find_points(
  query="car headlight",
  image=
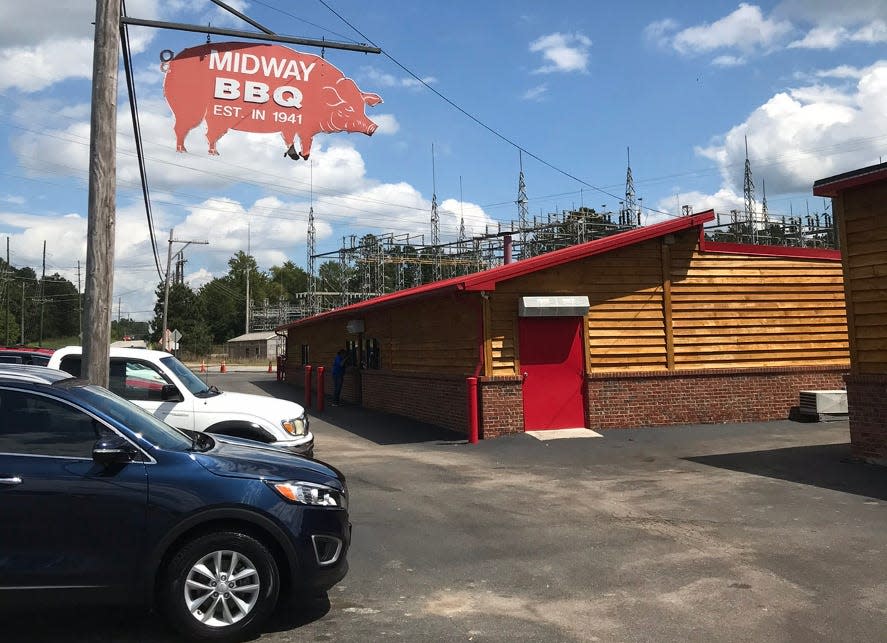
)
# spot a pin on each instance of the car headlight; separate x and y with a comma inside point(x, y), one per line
point(308, 493)
point(297, 426)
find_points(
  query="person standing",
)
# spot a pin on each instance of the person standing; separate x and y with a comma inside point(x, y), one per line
point(338, 375)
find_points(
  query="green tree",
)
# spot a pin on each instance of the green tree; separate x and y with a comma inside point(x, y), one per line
point(287, 281)
point(59, 308)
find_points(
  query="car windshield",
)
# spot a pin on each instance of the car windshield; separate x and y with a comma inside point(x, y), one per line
point(187, 377)
point(135, 418)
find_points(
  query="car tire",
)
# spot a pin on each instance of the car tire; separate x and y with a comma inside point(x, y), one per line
point(206, 564)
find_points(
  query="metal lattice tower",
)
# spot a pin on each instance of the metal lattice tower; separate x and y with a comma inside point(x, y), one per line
point(313, 307)
point(631, 202)
point(522, 214)
point(765, 215)
point(435, 225)
point(748, 189)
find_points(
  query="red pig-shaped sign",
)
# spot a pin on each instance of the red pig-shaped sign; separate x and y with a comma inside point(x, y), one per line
point(262, 88)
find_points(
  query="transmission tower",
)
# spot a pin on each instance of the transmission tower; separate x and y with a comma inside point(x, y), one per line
point(435, 224)
point(312, 274)
point(765, 214)
point(522, 214)
point(631, 202)
point(748, 189)
point(311, 243)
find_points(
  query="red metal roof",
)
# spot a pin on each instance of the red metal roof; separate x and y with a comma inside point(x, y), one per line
point(487, 280)
point(834, 185)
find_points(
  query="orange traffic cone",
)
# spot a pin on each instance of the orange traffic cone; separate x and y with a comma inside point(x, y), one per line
point(203, 366)
point(223, 368)
point(269, 366)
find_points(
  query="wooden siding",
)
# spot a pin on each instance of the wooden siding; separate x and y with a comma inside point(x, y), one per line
point(323, 341)
point(625, 322)
point(716, 310)
point(436, 335)
point(864, 239)
point(734, 311)
point(439, 335)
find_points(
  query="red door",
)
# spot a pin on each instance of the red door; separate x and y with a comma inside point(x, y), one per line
point(552, 362)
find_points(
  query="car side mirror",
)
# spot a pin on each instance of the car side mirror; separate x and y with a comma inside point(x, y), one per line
point(169, 393)
point(113, 450)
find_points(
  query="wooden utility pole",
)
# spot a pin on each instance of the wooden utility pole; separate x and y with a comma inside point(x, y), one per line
point(102, 193)
point(164, 345)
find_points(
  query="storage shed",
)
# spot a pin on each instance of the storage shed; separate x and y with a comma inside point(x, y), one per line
point(653, 326)
point(252, 346)
point(859, 204)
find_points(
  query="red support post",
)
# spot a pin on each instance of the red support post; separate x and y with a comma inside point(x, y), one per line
point(307, 386)
point(320, 389)
point(472, 411)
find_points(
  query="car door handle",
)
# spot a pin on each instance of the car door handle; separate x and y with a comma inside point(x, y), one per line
point(10, 480)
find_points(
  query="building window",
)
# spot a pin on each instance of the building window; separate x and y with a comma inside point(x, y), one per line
point(352, 348)
point(305, 355)
point(373, 359)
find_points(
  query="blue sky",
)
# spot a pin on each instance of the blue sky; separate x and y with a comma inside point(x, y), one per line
point(572, 82)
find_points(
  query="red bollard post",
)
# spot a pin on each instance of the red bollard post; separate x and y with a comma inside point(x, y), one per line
point(320, 387)
point(472, 411)
point(307, 386)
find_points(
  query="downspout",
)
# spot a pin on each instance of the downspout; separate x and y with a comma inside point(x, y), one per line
point(471, 382)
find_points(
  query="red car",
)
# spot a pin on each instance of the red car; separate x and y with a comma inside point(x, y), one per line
point(25, 355)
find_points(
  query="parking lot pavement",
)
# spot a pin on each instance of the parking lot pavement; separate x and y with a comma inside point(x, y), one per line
point(735, 532)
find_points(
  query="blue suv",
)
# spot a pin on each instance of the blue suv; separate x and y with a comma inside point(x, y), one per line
point(100, 499)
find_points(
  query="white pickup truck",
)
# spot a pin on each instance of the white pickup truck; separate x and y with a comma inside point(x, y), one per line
point(161, 384)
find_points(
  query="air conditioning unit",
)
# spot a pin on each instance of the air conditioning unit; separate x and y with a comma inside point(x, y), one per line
point(355, 326)
point(829, 403)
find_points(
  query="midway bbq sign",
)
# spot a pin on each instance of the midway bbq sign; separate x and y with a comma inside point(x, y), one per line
point(262, 88)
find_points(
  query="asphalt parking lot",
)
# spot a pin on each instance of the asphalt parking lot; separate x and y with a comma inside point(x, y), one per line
point(735, 533)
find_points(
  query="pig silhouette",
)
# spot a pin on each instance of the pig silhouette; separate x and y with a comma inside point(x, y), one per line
point(265, 89)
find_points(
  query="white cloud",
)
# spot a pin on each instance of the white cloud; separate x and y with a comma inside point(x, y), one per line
point(536, 93)
point(31, 69)
point(45, 42)
point(722, 201)
point(745, 29)
point(807, 133)
point(842, 71)
point(821, 38)
point(565, 52)
point(872, 33)
point(387, 123)
point(661, 32)
point(728, 61)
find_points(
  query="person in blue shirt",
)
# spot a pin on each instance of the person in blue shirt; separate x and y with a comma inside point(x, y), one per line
point(338, 374)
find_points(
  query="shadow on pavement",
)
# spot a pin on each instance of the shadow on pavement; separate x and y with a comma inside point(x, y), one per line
point(127, 624)
point(375, 426)
point(829, 466)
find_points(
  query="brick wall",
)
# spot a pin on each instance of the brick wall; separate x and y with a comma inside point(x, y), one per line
point(295, 375)
point(620, 400)
point(500, 406)
point(441, 400)
point(867, 404)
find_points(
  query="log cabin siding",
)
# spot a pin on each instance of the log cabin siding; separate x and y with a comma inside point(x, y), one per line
point(625, 327)
point(712, 310)
point(734, 310)
point(440, 335)
point(864, 239)
point(437, 334)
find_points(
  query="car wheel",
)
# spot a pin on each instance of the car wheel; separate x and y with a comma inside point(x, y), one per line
point(220, 586)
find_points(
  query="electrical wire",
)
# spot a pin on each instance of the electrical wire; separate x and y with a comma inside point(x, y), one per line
point(137, 132)
point(477, 120)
